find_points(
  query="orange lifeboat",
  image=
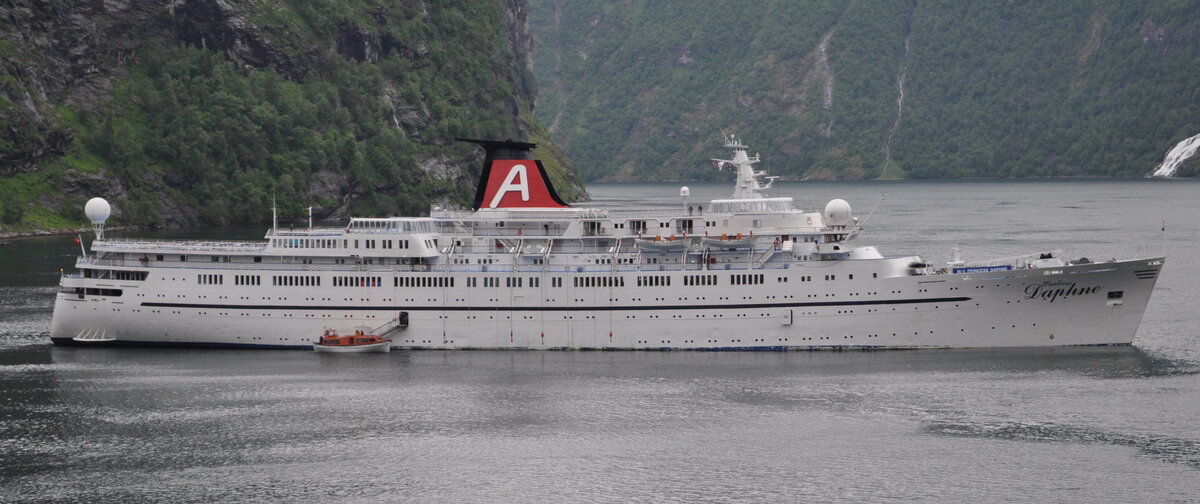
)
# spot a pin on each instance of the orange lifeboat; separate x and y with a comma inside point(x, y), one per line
point(332, 342)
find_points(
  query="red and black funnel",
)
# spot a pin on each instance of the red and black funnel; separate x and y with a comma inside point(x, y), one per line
point(511, 178)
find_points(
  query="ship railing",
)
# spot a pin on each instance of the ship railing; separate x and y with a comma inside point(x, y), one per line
point(545, 267)
point(150, 263)
point(521, 215)
point(534, 234)
point(658, 212)
point(183, 245)
point(317, 231)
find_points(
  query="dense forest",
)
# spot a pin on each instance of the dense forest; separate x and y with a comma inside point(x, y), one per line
point(854, 89)
point(201, 112)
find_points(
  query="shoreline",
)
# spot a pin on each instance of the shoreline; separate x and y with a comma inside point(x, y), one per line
point(8, 236)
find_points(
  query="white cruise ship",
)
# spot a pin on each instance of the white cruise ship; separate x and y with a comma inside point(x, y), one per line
point(523, 270)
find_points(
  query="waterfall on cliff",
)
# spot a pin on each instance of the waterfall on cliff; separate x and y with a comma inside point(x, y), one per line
point(1176, 156)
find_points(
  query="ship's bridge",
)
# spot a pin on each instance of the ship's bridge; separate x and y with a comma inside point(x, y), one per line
point(398, 237)
point(752, 206)
point(391, 225)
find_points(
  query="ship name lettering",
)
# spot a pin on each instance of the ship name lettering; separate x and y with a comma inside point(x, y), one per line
point(1051, 291)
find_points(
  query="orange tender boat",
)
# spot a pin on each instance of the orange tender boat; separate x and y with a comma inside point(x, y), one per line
point(358, 342)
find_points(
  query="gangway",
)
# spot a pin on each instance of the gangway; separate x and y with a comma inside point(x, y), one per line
point(391, 326)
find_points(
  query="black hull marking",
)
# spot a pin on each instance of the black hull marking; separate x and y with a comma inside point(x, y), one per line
point(563, 308)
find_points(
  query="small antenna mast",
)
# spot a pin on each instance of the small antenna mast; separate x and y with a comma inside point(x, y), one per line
point(872, 212)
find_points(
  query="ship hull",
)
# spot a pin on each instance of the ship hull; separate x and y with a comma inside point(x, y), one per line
point(1089, 304)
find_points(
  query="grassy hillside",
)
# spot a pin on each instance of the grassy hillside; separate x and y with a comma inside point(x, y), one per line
point(640, 90)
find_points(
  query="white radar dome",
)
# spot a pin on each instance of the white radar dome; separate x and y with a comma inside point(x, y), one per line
point(685, 192)
point(97, 210)
point(837, 212)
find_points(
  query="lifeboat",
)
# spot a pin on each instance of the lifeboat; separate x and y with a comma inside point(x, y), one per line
point(332, 342)
point(664, 243)
point(726, 241)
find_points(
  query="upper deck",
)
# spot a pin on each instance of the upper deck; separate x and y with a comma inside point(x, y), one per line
point(748, 220)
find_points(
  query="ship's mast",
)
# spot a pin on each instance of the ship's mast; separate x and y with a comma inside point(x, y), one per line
point(747, 185)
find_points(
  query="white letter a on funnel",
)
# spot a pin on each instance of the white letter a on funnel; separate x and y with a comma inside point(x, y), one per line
point(510, 185)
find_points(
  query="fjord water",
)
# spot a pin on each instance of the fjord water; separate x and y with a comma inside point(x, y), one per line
point(1064, 425)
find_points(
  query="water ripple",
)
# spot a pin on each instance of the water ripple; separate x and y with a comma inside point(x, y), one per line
point(1162, 448)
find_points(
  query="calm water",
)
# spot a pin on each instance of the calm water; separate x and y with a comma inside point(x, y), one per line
point(1074, 425)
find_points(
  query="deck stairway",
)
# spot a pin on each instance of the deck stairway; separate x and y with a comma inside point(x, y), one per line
point(396, 324)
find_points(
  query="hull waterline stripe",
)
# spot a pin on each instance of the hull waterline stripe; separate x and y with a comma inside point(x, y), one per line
point(732, 306)
point(764, 348)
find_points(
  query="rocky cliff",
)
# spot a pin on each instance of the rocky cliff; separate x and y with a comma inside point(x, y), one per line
point(854, 89)
point(192, 112)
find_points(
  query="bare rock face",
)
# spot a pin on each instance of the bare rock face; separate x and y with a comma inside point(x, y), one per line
point(55, 49)
point(439, 167)
point(329, 188)
point(516, 16)
point(218, 25)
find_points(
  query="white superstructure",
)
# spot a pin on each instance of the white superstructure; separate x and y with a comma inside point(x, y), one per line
point(525, 271)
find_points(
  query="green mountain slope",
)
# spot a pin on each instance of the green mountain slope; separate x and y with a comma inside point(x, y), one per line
point(200, 112)
point(855, 89)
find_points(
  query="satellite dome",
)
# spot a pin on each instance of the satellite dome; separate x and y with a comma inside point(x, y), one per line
point(97, 210)
point(837, 212)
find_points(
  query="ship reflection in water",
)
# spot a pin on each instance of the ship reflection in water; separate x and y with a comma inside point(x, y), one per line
point(183, 425)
